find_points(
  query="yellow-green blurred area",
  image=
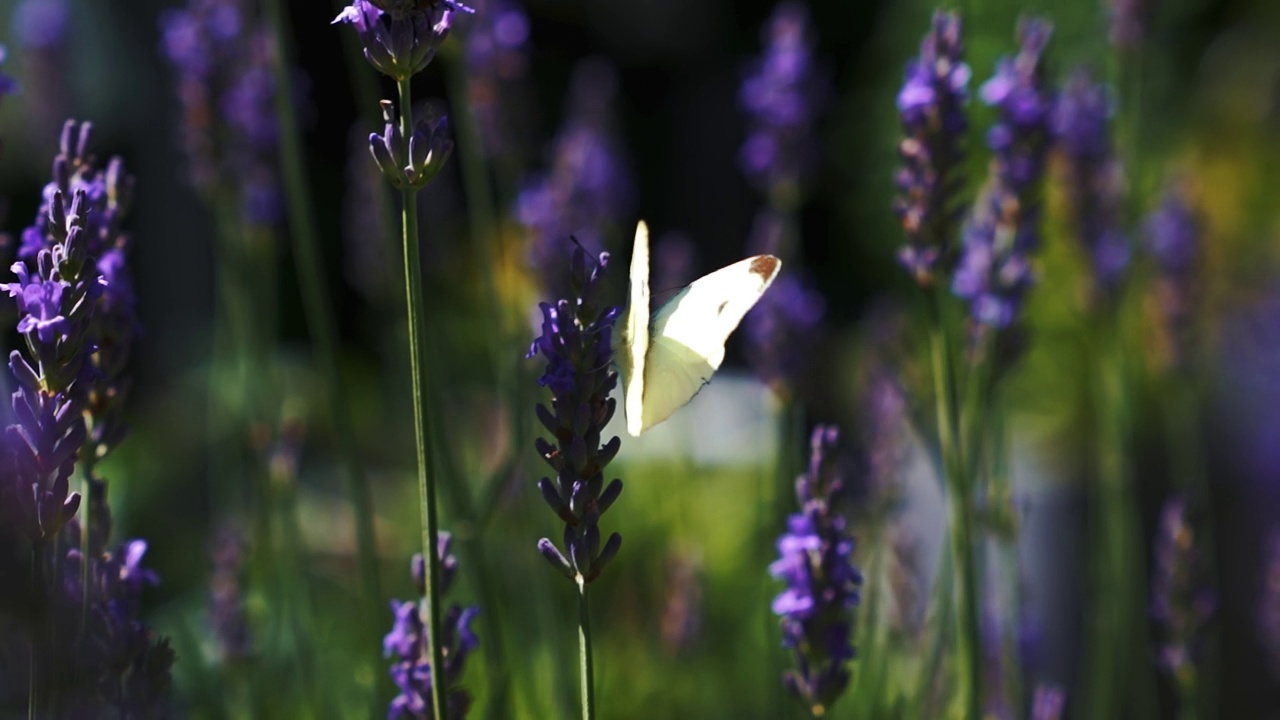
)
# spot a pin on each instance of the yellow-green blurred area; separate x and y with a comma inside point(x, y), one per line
point(681, 619)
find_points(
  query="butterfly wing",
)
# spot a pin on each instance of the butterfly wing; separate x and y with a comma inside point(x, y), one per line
point(686, 341)
point(633, 343)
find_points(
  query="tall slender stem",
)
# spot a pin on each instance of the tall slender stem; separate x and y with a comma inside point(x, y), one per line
point(958, 511)
point(586, 670)
point(417, 364)
point(321, 322)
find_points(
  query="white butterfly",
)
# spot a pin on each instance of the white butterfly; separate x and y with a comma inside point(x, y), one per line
point(664, 363)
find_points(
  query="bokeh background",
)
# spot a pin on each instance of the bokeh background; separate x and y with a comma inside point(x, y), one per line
point(683, 622)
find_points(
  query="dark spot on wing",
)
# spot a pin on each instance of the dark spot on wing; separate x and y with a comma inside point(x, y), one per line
point(765, 266)
point(723, 305)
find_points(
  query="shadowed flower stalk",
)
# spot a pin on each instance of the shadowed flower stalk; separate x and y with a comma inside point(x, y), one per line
point(1002, 230)
point(815, 559)
point(400, 37)
point(406, 643)
point(781, 95)
point(498, 61)
point(73, 644)
point(1094, 180)
point(587, 188)
point(577, 342)
point(1182, 604)
point(932, 104)
point(1172, 236)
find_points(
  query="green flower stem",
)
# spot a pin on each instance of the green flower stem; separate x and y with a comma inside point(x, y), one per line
point(959, 501)
point(320, 316)
point(422, 430)
point(586, 671)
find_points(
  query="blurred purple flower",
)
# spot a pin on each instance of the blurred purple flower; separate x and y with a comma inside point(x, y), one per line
point(8, 85)
point(401, 37)
point(587, 189)
point(994, 271)
point(781, 95)
point(1095, 181)
point(1049, 703)
point(932, 105)
point(815, 559)
point(221, 56)
point(407, 644)
point(1173, 235)
point(782, 330)
point(1129, 20)
point(228, 617)
point(577, 342)
point(1182, 603)
point(498, 54)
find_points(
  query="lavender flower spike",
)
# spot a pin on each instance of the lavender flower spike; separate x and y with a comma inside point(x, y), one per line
point(780, 96)
point(407, 642)
point(401, 37)
point(1181, 603)
point(815, 559)
point(1094, 178)
point(1269, 603)
point(1173, 238)
point(994, 271)
point(932, 107)
point(577, 342)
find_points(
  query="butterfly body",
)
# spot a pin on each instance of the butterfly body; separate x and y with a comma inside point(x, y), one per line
point(666, 360)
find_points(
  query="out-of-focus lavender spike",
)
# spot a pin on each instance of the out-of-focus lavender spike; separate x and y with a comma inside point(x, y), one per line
point(1094, 179)
point(407, 645)
point(815, 560)
point(1173, 238)
point(1049, 703)
point(1002, 230)
point(576, 341)
point(781, 95)
point(682, 610)
point(221, 58)
point(498, 60)
point(228, 618)
point(675, 261)
point(39, 28)
point(932, 104)
point(8, 85)
point(1182, 603)
point(587, 189)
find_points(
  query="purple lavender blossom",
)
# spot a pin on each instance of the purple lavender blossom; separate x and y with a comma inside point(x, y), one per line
point(498, 57)
point(1182, 603)
point(1269, 603)
point(72, 291)
point(407, 643)
point(228, 617)
point(815, 559)
point(401, 37)
point(781, 96)
point(932, 107)
point(1049, 703)
point(221, 56)
point(587, 188)
point(577, 342)
point(1129, 20)
point(782, 330)
point(994, 271)
point(1094, 178)
point(1172, 236)
point(8, 85)
point(411, 162)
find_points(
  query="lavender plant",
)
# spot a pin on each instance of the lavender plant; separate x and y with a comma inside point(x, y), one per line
point(1094, 181)
point(73, 641)
point(815, 559)
point(1268, 618)
point(400, 37)
point(1002, 230)
point(587, 187)
point(1182, 604)
point(577, 343)
point(932, 104)
point(412, 668)
point(1172, 235)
